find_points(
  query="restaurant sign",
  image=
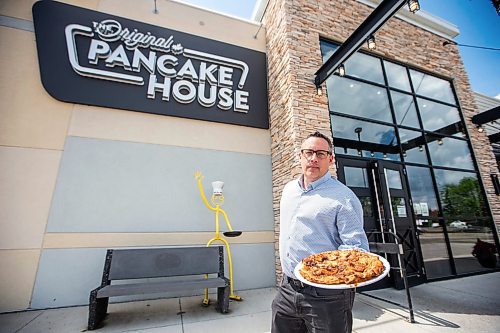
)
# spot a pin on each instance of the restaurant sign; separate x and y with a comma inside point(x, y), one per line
point(93, 58)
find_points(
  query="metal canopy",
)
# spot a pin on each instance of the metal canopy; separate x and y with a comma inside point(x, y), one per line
point(368, 27)
point(405, 146)
point(488, 118)
point(494, 138)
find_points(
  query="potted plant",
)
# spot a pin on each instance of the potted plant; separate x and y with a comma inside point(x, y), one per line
point(485, 253)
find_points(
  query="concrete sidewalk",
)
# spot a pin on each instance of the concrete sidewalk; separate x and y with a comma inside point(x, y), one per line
point(470, 304)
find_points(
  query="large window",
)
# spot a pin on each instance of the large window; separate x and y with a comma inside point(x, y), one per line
point(358, 99)
point(359, 137)
point(436, 116)
point(449, 152)
point(412, 144)
point(397, 76)
point(433, 87)
point(365, 67)
point(466, 218)
point(384, 110)
point(404, 107)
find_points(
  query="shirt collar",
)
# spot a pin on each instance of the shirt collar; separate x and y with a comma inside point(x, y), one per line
point(315, 184)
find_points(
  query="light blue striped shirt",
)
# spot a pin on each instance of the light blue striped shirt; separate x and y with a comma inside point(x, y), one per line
point(324, 217)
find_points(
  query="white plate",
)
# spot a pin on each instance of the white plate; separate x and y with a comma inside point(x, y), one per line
point(387, 267)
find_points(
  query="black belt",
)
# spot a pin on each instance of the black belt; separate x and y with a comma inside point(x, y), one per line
point(299, 285)
point(295, 282)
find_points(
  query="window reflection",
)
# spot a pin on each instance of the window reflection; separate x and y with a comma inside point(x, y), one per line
point(456, 129)
point(358, 99)
point(356, 177)
point(450, 152)
point(354, 137)
point(366, 153)
point(460, 194)
point(434, 251)
point(346, 151)
point(365, 67)
point(404, 107)
point(397, 76)
point(472, 244)
point(436, 116)
point(393, 179)
point(327, 50)
point(398, 205)
point(424, 199)
point(464, 217)
point(433, 87)
point(366, 203)
point(412, 143)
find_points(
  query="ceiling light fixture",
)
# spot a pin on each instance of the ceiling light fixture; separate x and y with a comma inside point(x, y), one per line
point(371, 42)
point(413, 5)
point(342, 70)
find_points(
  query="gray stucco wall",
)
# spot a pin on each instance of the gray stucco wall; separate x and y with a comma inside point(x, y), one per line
point(116, 186)
point(127, 187)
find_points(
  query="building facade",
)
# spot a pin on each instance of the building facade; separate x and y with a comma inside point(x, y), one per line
point(81, 172)
point(400, 119)
point(79, 178)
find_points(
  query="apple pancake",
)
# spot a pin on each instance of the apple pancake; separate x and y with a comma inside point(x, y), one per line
point(341, 267)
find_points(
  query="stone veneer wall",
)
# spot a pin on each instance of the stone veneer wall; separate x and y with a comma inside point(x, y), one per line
point(293, 30)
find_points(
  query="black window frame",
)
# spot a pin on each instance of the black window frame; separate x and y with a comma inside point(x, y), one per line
point(425, 133)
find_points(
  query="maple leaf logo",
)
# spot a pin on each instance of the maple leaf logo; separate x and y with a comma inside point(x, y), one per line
point(177, 48)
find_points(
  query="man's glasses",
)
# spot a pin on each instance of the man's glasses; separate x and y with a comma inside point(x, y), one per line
point(320, 154)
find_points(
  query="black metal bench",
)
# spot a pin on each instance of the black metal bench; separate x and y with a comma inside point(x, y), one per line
point(133, 264)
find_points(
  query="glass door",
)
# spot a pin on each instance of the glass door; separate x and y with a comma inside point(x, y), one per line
point(358, 176)
point(381, 188)
point(398, 217)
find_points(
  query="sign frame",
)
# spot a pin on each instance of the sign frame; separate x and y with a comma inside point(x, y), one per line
point(93, 58)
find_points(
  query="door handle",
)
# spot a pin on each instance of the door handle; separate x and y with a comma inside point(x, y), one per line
point(381, 219)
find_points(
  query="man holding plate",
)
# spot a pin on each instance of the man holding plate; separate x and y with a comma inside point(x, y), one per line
point(317, 214)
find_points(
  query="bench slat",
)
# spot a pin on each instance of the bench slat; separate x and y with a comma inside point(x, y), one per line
point(158, 287)
point(131, 264)
point(159, 262)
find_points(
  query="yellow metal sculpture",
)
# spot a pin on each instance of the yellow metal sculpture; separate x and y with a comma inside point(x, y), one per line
point(217, 200)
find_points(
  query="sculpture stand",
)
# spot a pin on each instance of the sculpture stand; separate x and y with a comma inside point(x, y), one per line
point(217, 199)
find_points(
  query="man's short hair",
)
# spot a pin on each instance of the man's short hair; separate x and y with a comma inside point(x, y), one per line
point(322, 136)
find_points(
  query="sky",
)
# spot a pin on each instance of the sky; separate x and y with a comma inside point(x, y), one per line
point(477, 21)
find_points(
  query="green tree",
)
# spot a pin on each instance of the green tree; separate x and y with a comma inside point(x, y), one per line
point(463, 199)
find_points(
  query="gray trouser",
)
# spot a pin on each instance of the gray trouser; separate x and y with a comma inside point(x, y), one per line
point(302, 308)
